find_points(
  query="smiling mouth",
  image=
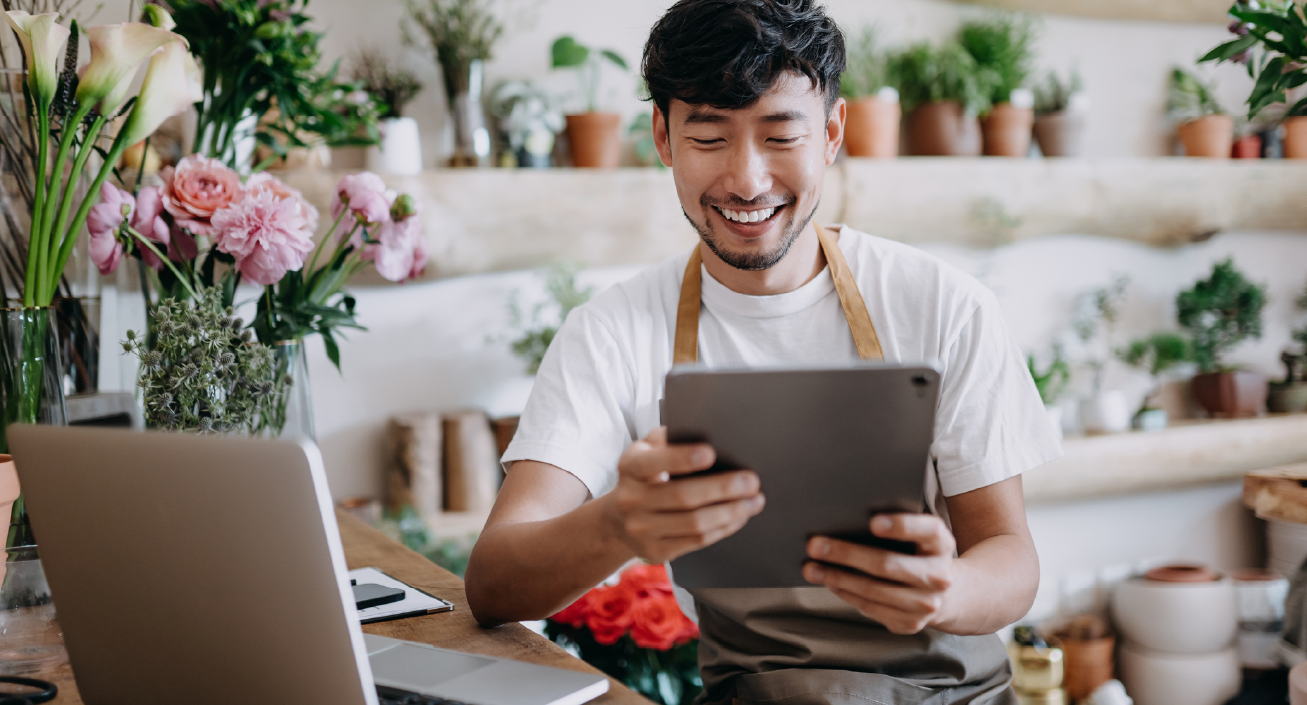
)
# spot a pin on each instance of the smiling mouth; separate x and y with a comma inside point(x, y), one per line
point(749, 217)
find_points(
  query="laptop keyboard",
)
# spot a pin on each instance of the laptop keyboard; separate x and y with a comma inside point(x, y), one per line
point(394, 696)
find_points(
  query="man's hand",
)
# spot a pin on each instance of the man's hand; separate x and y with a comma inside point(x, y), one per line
point(905, 593)
point(661, 517)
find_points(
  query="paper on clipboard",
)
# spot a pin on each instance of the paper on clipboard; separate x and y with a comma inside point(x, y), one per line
point(415, 602)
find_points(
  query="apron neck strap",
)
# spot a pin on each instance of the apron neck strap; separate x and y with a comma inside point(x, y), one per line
point(685, 349)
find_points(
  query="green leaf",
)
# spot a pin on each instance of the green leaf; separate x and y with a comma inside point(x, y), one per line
point(333, 350)
point(567, 53)
point(1230, 49)
point(615, 58)
point(1299, 108)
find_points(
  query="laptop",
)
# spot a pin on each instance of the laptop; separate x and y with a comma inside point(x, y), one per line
point(209, 569)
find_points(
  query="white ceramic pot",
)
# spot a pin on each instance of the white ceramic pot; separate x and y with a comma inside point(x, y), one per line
point(1155, 678)
point(400, 151)
point(1106, 412)
point(1286, 546)
point(1176, 618)
point(1055, 418)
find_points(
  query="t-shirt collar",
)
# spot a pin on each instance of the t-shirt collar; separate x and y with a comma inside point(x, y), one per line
point(717, 297)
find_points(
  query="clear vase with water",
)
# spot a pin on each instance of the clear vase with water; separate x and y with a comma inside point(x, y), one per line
point(291, 410)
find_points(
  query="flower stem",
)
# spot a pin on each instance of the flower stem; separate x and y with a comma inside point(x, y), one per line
point(79, 163)
point(36, 249)
point(327, 237)
point(70, 126)
point(162, 258)
point(115, 153)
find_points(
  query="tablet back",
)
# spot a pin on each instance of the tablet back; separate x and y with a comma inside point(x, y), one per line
point(832, 446)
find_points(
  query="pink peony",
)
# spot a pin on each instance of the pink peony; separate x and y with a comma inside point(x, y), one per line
point(267, 181)
point(400, 252)
point(267, 236)
point(197, 189)
point(103, 222)
point(147, 220)
point(364, 194)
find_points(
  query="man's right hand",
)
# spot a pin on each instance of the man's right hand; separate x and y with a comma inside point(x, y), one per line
point(661, 514)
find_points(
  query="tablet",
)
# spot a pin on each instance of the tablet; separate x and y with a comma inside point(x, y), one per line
point(832, 446)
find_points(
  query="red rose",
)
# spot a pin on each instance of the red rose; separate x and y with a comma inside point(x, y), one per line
point(658, 623)
point(610, 613)
point(689, 631)
point(574, 614)
point(647, 580)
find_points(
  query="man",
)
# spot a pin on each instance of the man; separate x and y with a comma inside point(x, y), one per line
point(748, 116)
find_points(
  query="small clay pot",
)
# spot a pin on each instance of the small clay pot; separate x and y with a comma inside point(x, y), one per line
point(1210, 136)
point(1231, 394)
point(1295, 138)
point(1007, 131)
point(1247, 147)
point(1287, 398)
point(1182, 574)
point(1061, 134)
point(595, 139)
point(943, 129)
point(871, 128)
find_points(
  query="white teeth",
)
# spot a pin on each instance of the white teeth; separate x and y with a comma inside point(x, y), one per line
point(748, 216)
point(753, 216)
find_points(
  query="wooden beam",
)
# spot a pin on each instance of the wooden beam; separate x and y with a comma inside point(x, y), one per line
point(1199, 11)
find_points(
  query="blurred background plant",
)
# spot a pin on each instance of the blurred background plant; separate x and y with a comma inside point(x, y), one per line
point(1095, 323)
point(1003, 45)
point(389, 85)
point(1157, 354)
point(408, 528)
point(1052, 381)
point(533, 341)
point(870, 67)
point(528, 122)
point(929, 74)
point(568, 54)
point(1220, 312)
point(1054, 94)
point(1190, 97)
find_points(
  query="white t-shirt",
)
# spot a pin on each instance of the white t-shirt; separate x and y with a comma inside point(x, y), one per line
point(602, 378)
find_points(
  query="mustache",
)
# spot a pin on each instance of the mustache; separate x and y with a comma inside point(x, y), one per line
point(764, 201)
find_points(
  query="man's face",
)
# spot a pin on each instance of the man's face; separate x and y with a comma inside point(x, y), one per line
point(749, 180)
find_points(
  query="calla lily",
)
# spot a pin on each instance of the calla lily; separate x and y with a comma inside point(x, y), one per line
point(43, 45)
point(159, 17)
point(116, 51)
point(172, 84)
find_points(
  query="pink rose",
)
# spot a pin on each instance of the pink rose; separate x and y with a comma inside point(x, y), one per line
point(196, 189)
point(267, 236)
point(365, 195)
point(400, 251)
point(147, 220)
point(103, 222)
point(267, 181)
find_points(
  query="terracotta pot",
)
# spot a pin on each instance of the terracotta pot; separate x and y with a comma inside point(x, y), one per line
point(1007, 131)
point(1295, 138)
point(1061, 134)
point(943, 129)
point(1231, 394)
point(1247, 147)
point(1088, 650)
point(595, 139)
point(871, 128)
point(8, 486)
point(1210, 136)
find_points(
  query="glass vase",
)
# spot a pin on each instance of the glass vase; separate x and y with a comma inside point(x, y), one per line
point(291, 411)
point(30, 637)
point(463, 84)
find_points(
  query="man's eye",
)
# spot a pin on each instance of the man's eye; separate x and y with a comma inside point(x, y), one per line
point(696, 140)
point(784, 140)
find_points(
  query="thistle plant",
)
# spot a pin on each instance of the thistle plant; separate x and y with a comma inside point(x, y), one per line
point(203, 372)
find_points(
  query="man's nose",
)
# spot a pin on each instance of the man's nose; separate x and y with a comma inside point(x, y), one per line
point(747, 174)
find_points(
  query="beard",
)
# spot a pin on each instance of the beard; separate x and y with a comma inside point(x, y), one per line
point(756, 261)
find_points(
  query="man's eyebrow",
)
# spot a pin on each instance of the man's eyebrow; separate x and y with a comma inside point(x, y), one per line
point(785, 116)
point(701, 117)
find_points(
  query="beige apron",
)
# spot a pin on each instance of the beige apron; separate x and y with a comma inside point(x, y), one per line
point(805, 646)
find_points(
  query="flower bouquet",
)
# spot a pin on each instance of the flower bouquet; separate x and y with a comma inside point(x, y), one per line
point(635, 632)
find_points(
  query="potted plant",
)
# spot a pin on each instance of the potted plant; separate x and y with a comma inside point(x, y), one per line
point(1060, 108)
point(1003, 46)
point(594, 137)
point(942, 91)
point(1220, 312)
point(1203, 126)
point(1271, 40)
point(1291, 394)
point(400, 151)
point(1051, 382)
point(462, 33)
point(1104, 410)
point(528, 124)
point(870, 85)
point(1156, 354)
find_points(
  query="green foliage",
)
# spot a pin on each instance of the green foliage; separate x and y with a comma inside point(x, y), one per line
point(531, 345)
point(1220, 312)
point(295, 308)
point(391, 86)
point(1002, 44)
point(568, 54)
point(411, 530)
point(459, 32)
point(1099, 311)
point(259, 58)
point(642, 137)
point(1157, 353)
point(1300, 334)
point(203, 373)
point(1191, 97)
point(930, 74)
point(869, 68)
point(1053, 380)
point(667, 677)
point(1054, 94)
point(1271, 40)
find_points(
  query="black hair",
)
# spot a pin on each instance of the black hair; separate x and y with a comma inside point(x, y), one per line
point(727, 53)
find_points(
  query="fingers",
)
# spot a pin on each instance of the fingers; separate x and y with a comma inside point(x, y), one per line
point(662, 536)
point(896, 621)
point(933, 572)
point(905, 599)
point(927, 531)
point(654, 460)
point(694, 492)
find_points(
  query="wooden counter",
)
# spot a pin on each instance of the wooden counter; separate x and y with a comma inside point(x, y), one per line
point(364, 547)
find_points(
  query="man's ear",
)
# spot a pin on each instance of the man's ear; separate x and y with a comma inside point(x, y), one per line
point(835, 130)
point(662, 140)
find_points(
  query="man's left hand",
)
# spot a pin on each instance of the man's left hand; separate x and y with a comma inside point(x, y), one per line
point(906, 593)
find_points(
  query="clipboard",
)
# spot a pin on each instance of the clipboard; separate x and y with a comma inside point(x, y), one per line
point(416, 602)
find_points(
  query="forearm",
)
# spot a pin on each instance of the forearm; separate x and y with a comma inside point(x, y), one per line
point(531, 569)
point(994, 585)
